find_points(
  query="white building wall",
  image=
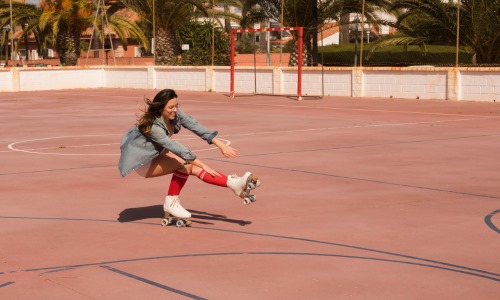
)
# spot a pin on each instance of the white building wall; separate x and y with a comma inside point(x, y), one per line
point(333, 39)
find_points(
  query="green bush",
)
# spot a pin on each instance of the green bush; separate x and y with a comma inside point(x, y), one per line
point(343, 55)
point(245, 44)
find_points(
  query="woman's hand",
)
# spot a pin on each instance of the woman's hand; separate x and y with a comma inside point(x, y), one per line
point(226, 150)
point(205, 167)
point(211, 171)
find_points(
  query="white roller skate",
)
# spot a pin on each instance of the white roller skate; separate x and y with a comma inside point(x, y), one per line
point(242, 186)
point(175, 212)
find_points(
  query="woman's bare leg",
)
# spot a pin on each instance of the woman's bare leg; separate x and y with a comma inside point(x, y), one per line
point(166, 163)
point(169, 163)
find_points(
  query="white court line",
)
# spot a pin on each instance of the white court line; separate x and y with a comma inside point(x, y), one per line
point(300, 106)
point(349, 127)
point(348, 109)
point(12, 148)
point(228, 142)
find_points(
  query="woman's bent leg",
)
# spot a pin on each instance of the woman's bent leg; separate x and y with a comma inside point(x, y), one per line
point(168, 163)
point(164, 164)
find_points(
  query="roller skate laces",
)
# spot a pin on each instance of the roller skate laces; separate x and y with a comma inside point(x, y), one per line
point(173, 207)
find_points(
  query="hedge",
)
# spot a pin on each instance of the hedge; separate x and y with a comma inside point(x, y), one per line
point(343, 55)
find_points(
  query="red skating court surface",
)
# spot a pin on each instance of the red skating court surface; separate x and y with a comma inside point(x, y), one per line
point(360, 199)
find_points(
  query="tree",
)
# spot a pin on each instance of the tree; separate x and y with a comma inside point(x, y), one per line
point(170, 16)
point(422, 22)
point(27, 16)
point(300, 13)
point(199, 38)
point(60, 23)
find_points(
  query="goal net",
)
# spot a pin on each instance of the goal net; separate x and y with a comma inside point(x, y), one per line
point(244, 80)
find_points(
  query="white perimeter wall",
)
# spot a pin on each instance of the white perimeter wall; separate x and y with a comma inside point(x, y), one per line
point(30, 79)
point(478, 85)
point(406, 84)
point(474, 84)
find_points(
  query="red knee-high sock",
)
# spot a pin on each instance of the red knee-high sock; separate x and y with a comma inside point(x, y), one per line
point(217, 180)
point(178, 181)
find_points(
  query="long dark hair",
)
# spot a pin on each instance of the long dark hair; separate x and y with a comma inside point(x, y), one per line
point(154, 109)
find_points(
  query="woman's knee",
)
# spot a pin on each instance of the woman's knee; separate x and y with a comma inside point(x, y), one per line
point(195, 170)
point(186, 169)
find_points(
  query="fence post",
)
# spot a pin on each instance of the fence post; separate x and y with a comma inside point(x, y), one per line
point(16, 79)
point(357, 89)
point(453, 90)
point(277, 81)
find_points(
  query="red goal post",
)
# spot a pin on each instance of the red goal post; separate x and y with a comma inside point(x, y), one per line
point(299, 71)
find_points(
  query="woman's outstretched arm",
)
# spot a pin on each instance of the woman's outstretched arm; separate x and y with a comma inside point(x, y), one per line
point(226, 150)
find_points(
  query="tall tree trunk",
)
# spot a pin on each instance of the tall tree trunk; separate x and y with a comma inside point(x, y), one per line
point(294, 54)
point(344, 29)
point(68, 47)
point(166, 47)
point(227, 21)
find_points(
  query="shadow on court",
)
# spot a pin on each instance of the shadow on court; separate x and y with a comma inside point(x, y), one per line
point(156, 212)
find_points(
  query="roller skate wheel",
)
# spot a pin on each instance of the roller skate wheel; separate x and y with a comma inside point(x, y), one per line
point(246, 201)
point(252, 198)
point(165, 222)
point(250, 185)
point(255, 181)
point(188, 223)
point(180, 223)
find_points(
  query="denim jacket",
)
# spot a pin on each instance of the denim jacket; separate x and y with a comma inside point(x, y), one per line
point(137, 149)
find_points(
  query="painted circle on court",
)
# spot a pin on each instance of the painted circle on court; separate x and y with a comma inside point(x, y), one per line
point(95, 145)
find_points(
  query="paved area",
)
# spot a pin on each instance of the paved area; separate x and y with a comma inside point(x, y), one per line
point(361, 199)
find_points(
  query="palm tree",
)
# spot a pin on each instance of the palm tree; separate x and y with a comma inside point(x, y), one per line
point(198, 36)
point(68, 19)
point(60, 23)
point(300, 13)
point(169, 17)
point(422, 22)
point(27, 16)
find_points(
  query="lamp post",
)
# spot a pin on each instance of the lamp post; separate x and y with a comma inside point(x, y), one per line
point(25, 26)
point(7, 29)
point(315, 33)
point(213, 33)
point(11, 35)
point(153, 44)
point(355, 28)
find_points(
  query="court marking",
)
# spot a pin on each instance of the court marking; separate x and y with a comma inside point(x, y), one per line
point(357, 178)
point(297, 105)
point(150, 282)
point(6, 284)
point(310, 254)
point(373, 145)
point(12, 147)
point(488, 221)
point(306, 240)
point(345, 109)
